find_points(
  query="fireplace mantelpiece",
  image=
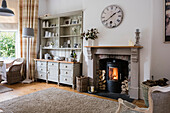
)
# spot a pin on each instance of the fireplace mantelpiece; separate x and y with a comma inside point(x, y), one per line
point(132, 51)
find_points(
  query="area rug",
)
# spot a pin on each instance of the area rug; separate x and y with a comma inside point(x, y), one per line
point(53, 100)
point(115, 96)
point(4, 89)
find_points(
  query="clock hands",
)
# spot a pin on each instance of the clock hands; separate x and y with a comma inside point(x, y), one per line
point(111, 16)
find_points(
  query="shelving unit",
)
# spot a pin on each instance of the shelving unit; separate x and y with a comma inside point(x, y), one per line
point(63, 28)
point(55, 34)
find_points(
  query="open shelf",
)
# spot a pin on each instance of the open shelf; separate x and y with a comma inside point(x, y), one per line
point(50, 27)
point(71, 36)
point(61, 48)
point(50, 37)
point(70, 25)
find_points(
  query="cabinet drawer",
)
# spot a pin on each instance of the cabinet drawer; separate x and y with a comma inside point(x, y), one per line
point(66, 66)
point(41, 64)
point(42, 69)
point(66, 80)
point(41, 75)
point(52, 65)
point(68, 73)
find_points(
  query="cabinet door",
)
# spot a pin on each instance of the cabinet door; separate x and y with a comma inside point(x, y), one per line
point(53, 71)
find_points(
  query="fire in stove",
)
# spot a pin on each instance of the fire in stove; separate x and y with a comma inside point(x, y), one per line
point(113, 73)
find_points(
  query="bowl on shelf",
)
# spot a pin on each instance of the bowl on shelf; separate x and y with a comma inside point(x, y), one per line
point(59, 58)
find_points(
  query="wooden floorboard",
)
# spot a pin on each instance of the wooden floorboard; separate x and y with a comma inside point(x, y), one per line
point(20, 89)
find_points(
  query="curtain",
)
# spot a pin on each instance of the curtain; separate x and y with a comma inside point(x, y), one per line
point(28, 17)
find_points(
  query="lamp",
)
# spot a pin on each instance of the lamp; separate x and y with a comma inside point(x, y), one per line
point(4, 11)
point(27, 33)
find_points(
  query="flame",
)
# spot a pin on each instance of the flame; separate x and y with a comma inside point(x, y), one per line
point(113, 73)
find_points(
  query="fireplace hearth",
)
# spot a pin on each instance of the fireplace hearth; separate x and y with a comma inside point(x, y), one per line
point(127, 53)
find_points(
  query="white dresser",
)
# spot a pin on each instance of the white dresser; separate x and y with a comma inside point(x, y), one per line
point(57, 71)
point(68, 73)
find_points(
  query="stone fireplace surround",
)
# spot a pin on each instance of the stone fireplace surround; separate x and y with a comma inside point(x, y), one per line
point(132, 51)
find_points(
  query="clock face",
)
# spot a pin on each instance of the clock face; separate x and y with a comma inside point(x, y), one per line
point(112, 16)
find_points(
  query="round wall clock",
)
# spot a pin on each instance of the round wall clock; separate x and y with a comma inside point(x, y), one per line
point(112, 16)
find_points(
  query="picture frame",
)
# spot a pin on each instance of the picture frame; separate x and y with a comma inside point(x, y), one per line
point(167, 21)
point(74, 21)
point(67, 21)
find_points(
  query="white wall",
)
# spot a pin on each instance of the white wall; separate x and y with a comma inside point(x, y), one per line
point(61, 6)
point(147, 15)
point(160, 51)
point(135, 16)
point(42, 7)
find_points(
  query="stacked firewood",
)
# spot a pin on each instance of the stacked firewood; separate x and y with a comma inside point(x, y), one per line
point(124, 87)
point(160, 82)
point(102, 80)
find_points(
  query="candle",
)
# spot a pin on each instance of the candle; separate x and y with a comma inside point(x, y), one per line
point(131, 43)
point(137, 30)
point(92, 88)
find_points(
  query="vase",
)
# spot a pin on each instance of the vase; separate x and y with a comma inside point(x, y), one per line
point(90, 42)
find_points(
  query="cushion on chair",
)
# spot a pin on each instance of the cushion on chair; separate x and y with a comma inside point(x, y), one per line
point(17, 63)
point(7, 70)
point(161, 102)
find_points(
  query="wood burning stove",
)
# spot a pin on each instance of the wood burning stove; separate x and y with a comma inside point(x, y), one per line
point(116, 72)
point(111, 73)
point(113, 77)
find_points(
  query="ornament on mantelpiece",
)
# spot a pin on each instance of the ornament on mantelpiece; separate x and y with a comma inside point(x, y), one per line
point(90, 36)
point(137, 37)
point(90, 42)
point(131, 43)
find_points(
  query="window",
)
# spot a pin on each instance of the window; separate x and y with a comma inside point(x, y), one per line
point(7, 44)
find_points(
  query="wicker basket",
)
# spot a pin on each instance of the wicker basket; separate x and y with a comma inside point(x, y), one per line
point(145, 90)
point(82, 84)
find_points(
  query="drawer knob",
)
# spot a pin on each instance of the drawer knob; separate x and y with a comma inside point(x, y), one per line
point(66, 66)
point(40, 75)
point(65, 79)
point(41, 63)
point(41, 69)
point(52, 64)
point(66, 73)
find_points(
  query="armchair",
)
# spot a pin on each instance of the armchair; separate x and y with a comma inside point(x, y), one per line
point(159, 98)
point(13, 71)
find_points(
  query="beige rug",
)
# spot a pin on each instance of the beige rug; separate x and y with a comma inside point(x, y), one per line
point(53, 100)
point(4, 89)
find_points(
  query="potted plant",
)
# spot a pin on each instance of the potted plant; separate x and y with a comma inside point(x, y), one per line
point(90, 35)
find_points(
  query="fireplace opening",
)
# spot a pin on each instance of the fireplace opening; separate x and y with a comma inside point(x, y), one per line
point(113, 73)
point(116, 71)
